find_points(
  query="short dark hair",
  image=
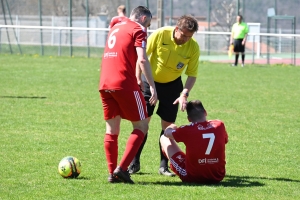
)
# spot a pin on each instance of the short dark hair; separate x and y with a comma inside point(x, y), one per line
point(122, 8)
point(188, 22)
point(195, 110)
point(240, 16)
point(140, 11)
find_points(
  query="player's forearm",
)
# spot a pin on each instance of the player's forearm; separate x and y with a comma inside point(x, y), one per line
point(169, 130)
point(138, 71)
point(245, 38)
point(190, 81)
point(145, 67)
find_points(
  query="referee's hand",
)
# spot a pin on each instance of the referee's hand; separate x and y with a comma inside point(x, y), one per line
point(182, 100)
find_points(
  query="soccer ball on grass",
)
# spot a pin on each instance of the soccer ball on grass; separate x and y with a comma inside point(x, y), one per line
point(69, 167)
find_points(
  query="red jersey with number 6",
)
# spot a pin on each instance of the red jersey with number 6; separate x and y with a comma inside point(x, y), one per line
point(205, 149)
point(119, 58)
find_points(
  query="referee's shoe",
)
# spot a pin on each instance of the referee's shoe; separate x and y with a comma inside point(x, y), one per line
point(165, 171)
point(134, 168)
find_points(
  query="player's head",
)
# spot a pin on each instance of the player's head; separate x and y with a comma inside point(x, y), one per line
point(185, 28)
point(142, 15)
point(239, 18)
point(121, 10)
point(195, 111)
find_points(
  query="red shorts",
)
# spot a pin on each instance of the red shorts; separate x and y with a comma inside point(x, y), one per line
point(177, 165)
point(129, 105)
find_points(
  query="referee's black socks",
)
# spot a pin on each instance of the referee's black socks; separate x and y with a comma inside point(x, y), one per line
point(236, 59)
point(163, 158)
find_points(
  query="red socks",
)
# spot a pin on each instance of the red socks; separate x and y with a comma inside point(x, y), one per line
point(133, 144)
point(111, 151)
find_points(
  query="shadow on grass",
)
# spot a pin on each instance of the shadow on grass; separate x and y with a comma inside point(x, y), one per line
point(142, 173)
point(23, 97)
point(265, 178)
point(78, 178)
point(229, 181)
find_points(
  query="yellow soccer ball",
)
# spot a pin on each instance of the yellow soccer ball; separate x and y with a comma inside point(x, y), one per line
point(69, 167)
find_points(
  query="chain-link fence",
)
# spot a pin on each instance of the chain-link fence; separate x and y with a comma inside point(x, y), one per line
point(213, 16)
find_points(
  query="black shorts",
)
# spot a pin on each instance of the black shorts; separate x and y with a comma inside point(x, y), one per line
point(238, 47)
point(167, 93)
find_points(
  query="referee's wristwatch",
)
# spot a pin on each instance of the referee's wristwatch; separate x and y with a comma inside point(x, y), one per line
point(186, 94)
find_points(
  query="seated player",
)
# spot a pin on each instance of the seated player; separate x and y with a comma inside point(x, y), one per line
point(204, 159)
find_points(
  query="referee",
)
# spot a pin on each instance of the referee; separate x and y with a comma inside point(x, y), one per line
point(238, 38)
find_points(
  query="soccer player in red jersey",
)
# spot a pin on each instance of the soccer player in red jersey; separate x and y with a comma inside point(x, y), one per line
point(125, 50)
point(204, 160)
point(121, 16)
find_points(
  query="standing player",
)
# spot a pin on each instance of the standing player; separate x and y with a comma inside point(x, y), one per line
point(120, 93)
point(171, 51)
point(238, 39)
point(204, 160)
point(121, 16)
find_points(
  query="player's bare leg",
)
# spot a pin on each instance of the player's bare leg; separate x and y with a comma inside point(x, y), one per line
point(169, 146)
point(163, 168)
point(134, 141)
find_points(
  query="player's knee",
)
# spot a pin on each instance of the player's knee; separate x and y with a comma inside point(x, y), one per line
point(141, 125)
point(163, 140)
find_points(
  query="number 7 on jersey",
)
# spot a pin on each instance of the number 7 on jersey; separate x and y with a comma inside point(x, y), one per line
point(211, 137)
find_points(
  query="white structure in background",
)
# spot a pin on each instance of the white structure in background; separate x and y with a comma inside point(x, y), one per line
point(254, 39)
point(56, 37)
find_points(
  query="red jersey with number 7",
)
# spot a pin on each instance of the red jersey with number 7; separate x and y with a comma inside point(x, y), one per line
point(119, 58)
point(205, 149)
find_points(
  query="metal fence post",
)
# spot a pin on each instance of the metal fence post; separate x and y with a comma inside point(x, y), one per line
point(0, 38)
point(208, 27)
point(253, 49)
point(171, 13)
point(87, 25)
point(11, 21)
point(4, 17)
point(41, 24)
point(70, 21)
point(59, 43)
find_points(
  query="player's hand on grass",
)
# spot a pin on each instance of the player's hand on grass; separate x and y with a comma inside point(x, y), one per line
point(153, 98)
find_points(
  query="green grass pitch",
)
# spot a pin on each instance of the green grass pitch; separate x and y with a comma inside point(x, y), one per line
point(50, 108)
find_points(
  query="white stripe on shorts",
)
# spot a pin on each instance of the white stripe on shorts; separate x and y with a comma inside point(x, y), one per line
point(139, 104)
point(180, 170)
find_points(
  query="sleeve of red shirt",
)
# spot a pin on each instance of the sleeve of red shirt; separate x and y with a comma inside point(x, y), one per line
point(112, 23)
point(225, 132)
point(140, 35)
point(179, 134)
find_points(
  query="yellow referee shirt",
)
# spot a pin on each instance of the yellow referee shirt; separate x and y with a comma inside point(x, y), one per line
point(239, 30)
point(168, 60)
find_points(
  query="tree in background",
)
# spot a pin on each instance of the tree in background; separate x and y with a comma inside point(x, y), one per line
point(224, 14)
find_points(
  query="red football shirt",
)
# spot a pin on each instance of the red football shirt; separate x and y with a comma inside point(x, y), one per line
point(120, 56)
point(116, 20)
point(205, 149)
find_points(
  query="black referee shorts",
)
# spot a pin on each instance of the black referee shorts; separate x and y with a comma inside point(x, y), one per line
point(238, 47)
point(167, 93)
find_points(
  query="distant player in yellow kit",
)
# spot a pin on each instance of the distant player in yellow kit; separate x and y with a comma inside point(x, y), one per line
point(239, 33)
